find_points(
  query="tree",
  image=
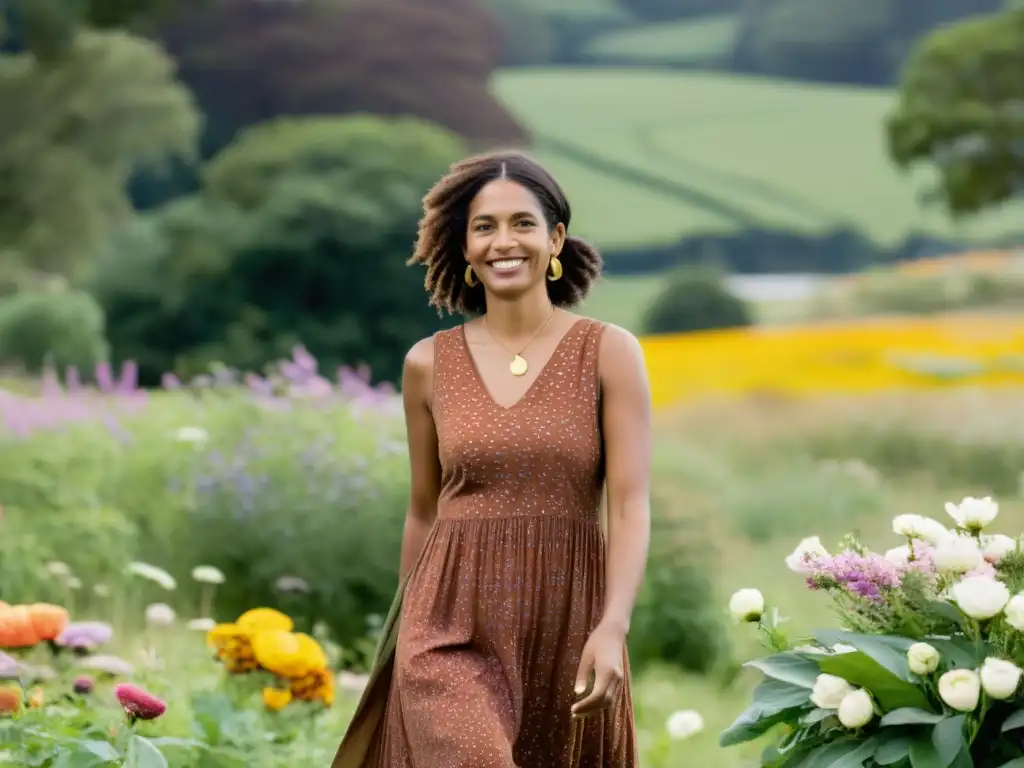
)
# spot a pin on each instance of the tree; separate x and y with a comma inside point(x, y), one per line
point(300, 235)
point(249, 62)
point(961, 108)
point(73, 132)
point(695, 298)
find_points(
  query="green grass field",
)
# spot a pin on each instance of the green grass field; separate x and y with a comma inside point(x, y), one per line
point(688, 42)
point(648, 156)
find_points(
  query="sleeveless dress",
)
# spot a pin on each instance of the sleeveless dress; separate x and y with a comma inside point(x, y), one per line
point(479, 657)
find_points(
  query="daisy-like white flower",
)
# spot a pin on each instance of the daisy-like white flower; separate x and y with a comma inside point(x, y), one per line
point(154, 574)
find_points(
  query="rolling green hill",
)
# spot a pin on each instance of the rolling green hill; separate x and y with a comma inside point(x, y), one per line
point(648, 156)
point(689, 42)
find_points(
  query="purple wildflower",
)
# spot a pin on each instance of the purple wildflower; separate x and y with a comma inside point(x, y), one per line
point(85, 635)
point(9, 667)
point(863, 575)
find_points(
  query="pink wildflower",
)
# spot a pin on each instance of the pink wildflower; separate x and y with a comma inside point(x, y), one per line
point(139, 704)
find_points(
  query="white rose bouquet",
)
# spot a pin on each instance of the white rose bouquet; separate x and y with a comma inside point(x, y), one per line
point(927, 671)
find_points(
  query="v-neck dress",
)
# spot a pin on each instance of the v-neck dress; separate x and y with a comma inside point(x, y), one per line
point(493, 618)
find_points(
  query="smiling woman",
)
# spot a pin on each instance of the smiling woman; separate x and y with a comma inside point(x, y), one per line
point(506, 646)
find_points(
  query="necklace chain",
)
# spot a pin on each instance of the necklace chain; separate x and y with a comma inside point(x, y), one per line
point(518, 365)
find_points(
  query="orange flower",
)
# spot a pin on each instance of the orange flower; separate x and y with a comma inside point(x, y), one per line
point(10, 699)
point(16, 628)
point(36, 698)
point(49, 620)
point(276, 699)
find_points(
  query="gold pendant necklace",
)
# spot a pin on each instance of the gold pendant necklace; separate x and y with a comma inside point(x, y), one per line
point(518, 365)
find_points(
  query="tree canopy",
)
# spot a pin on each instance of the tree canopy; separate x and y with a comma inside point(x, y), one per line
point(67, 149)
point(299, 236)
point(961, 110)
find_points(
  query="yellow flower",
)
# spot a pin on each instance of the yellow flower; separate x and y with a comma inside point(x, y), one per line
point(233, 646)
point(318, 685)
point(35, 698)
point(264, 620)
point(288, 654)
point(276, 699)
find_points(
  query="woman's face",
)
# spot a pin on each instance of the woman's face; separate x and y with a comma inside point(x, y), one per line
point(507, 240)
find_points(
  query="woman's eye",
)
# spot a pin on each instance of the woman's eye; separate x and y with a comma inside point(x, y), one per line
point(525, 223)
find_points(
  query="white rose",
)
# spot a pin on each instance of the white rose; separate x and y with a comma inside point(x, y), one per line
point(160, 615)
point(684, 724)
point(747, 605)
point(919, 527)
point(856, 709)
point(805, 553)
point(1000, 678)
point(957, 553)
point(973, 514)
point(922, 658)
point(1014, 611)
point(829, 691)
point(960, 689)
point(997, 546)
point(980, 597)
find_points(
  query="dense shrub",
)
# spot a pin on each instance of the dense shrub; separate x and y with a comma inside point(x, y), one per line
point(300, 234)
point(65, 328)
point(695, 299)
point(677, 617)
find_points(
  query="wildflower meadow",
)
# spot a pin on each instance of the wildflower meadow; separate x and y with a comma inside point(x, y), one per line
point(197, 575)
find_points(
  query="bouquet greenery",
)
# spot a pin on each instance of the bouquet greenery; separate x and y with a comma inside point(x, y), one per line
point(925, 672)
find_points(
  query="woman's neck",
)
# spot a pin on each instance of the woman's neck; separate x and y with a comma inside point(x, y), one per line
point(520, 317)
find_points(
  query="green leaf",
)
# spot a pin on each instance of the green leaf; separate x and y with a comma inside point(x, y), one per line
point(774, 702)
point(960, 653)
point(847, 753)
point(1014, 721)
point(788, 668)
point(923, 754)
point(893, 748)
point(888, 652)
point(891, 692)
point(948, 738)
point(142, 753)
point(816, 716)
point(1017, 762)
point(101, 749)
point(910, 716)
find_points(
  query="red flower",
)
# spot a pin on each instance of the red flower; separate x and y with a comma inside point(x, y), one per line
point(139, 704)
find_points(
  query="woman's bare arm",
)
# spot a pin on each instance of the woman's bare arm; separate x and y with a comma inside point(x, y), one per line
point(626, 425)
point(424, 463)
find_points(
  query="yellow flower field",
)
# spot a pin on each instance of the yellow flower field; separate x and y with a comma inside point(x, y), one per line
point(858, 356)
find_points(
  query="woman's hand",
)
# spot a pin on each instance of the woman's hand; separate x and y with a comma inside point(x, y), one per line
point(603, 657)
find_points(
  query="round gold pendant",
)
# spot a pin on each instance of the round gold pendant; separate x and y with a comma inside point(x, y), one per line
point(518, 366)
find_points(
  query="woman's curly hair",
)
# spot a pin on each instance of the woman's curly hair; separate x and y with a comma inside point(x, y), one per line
point(440, 244)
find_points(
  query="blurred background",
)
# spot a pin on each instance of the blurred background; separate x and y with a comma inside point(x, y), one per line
point(810, 212)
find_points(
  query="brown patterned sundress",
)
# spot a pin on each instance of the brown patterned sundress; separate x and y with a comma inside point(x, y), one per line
point(481, 650)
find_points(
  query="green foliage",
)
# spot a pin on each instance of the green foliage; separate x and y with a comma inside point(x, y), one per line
point(676, 620)
point(74, 131)
point(664, 163)
point(63, 328)
point(695, 299)
point(959, 111)
point(300, 235)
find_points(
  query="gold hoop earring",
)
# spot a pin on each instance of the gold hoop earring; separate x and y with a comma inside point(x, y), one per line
point(554, 269)
point(471, 281)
